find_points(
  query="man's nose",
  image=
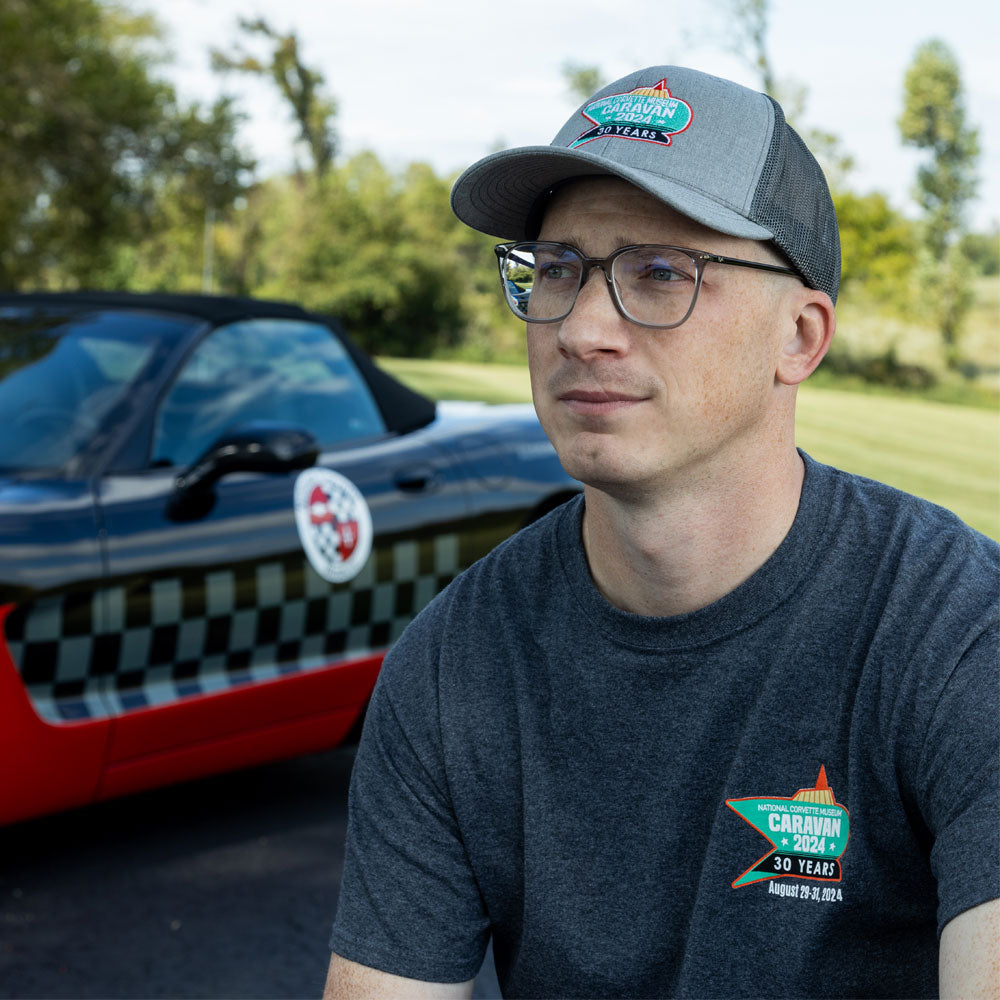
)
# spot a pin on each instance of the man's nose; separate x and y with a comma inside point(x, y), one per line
point(594, 326)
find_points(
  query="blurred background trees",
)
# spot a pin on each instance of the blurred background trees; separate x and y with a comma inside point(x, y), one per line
point(110, 180)
point(314, 112)
point(96, 152)
point(902, 278)
point(933, 119)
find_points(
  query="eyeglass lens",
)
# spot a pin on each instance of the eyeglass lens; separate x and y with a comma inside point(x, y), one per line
point(655, 285)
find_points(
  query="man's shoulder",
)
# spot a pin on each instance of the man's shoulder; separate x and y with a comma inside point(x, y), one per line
point(504, 586)
point(911, 553)
point(882, 517)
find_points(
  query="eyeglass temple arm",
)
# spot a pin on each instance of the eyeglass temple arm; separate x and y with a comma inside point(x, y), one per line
point(715, 258)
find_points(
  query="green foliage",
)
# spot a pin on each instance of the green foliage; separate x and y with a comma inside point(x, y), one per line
point(298, 84)
point(381, 251)
point(879, 369)
point(982, 251)
point(749, 24)
point(582, 80)
point(933, 119)
point(373, 248)
point(206, 180)
point(911, 271)
point(878, 246)
point(62, 81)
point(110, 182)
point(91, 142)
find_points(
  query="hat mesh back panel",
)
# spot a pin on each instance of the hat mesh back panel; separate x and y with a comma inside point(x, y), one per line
point(793, 201)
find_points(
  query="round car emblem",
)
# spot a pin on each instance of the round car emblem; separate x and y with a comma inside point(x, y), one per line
point(334, 524)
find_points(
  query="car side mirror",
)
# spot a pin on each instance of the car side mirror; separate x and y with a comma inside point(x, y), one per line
point(257, 447)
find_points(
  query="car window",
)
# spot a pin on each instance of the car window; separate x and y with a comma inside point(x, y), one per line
point(282, 371)
point(61, 374)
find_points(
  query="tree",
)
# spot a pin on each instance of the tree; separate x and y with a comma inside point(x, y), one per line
point(748, 23)
point(878, 246)
point(934, 120)
point(91, 141)
point(582, 80)
point(982, 250)
point(750, 26)
point(374, 249)
point(208, 176)
point(299, 85)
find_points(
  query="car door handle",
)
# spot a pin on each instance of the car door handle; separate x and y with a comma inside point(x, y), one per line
point(415, 479)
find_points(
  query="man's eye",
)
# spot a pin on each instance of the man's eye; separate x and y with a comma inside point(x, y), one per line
point(663, 274)
point(553, 272)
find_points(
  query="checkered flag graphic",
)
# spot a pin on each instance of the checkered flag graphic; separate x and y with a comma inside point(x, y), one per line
point(87, 654)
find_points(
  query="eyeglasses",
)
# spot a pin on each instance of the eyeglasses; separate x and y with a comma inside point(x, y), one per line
point(651, 285)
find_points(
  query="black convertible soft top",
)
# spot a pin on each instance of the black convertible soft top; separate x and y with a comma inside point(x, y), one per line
point(402, 408)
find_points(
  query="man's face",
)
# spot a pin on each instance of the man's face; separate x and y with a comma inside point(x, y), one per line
point(632, 409)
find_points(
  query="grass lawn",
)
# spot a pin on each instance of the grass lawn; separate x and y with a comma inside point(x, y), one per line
point(945, 453)
point(948, 454)
point(463, 379)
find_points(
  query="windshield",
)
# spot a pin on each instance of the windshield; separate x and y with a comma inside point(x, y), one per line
point(276, 370)
point(61, 374)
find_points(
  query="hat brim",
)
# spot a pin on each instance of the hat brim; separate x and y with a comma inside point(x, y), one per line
point(497, 194)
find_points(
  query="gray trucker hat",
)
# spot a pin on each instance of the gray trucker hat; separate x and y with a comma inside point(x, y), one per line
point(717, 152)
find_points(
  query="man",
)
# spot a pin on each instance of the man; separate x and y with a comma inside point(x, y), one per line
point(727, 725)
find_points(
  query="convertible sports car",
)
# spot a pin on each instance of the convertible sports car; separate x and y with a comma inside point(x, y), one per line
point(215, 516)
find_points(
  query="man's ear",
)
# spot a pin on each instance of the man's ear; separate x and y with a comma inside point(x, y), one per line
point(813, 322)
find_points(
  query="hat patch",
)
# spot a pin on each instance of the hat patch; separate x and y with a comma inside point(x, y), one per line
point(646, 114)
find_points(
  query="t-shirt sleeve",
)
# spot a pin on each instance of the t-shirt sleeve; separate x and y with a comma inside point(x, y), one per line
point(409, 903)
point(960, 771)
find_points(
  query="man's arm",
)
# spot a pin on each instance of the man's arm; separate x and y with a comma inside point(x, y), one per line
point(348, 980)
point(969, 958)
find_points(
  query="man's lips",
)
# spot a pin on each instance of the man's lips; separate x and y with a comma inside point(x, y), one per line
point(590, 402)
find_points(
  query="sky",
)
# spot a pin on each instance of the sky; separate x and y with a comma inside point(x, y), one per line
point(448, 81)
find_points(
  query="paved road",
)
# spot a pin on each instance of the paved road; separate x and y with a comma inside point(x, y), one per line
point(225, 887)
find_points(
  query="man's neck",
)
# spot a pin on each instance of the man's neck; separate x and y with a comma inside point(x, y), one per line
point(683, 548)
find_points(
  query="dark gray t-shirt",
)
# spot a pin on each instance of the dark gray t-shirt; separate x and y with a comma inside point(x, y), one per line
point(787, 793)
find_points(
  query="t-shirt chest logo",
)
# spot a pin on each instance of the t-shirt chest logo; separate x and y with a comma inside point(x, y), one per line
point(808, 833)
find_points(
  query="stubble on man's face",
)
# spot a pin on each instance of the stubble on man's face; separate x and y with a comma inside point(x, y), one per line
point(632, 409)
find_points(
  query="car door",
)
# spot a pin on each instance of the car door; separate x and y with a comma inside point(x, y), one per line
point(52, 744)
point(230, 640)
point(68, 375)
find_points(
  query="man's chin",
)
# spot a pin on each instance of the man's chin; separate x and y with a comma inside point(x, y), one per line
point(609, 470)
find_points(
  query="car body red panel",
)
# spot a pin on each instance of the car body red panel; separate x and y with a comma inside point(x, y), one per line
point(45, 767)
point(342, 688)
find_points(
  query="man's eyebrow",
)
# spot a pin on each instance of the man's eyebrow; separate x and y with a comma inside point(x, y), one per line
point(622, 241)
point(570, 240)
point(616, 244)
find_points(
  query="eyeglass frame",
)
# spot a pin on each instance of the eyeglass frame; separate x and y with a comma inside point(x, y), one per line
point(699, 257)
